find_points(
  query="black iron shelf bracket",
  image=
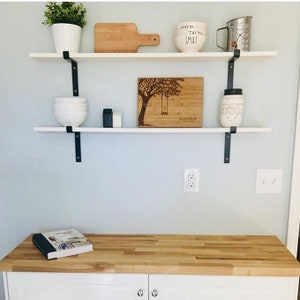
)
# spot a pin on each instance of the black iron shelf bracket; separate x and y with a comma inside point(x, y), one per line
point(233, 130)
point(236, 55)
point(69, 129)
point(74, 67)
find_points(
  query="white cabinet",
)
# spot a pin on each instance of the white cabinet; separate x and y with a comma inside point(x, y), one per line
point(70, 286)
point(191, 287)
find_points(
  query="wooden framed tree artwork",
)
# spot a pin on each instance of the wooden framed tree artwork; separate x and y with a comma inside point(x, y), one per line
point(170, 102)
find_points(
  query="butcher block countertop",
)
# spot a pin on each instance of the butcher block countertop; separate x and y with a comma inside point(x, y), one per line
point(165, 254)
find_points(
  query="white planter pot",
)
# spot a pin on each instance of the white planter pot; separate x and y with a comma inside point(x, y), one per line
point(66, 37)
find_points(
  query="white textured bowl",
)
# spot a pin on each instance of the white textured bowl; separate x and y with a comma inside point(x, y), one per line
point(70, 111)
point(190, 31)
point(75, 112)
point(69, 103)
point(69, 100)
point(70, 118)
point(191, 25)
point(189, 43)
point(69, 106)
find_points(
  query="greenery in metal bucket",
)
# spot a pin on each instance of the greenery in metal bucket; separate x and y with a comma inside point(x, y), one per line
point(65, 12)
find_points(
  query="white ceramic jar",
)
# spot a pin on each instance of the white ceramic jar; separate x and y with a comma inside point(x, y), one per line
point(232, 108)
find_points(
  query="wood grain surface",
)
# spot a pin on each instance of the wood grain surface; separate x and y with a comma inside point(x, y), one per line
point(165, 254)
point(121, 37)
point(170, 102)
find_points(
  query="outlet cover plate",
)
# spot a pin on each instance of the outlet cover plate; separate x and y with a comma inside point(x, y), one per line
point(191, 180)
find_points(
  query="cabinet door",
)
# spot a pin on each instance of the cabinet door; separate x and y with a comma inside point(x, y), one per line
point(67, 286)
point(196, 287)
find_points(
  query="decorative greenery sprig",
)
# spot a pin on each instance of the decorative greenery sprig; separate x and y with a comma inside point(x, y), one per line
point(65, 12)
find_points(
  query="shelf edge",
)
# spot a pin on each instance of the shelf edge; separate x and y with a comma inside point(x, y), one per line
point(86, 57)
point(153, 130)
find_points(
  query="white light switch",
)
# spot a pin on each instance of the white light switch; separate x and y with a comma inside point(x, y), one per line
point(268, 181)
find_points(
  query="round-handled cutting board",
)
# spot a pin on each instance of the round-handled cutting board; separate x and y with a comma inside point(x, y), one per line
point(121, 37)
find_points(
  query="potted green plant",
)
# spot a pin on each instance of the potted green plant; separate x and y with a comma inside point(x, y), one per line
point(66, 20)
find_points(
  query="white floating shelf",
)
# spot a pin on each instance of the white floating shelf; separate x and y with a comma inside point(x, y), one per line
point(153, 130)
point(151, 57)
point(106, 57)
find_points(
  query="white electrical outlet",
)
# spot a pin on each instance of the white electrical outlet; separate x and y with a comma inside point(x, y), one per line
point(191, 180)
point(268, 181)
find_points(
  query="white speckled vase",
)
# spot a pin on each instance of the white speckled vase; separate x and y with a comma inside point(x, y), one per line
point(232, 108)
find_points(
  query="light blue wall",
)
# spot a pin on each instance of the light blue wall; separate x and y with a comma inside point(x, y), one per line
point(134, 183)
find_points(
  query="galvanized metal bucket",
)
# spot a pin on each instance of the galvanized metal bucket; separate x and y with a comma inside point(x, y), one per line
point(238, 34)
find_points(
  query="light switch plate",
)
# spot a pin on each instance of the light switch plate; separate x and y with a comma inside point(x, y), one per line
point(268, 181)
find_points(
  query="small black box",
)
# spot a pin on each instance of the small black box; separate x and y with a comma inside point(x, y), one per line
point(107, 117)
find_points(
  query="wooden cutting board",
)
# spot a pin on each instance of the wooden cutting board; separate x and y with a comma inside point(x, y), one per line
point(176, 102)
point(121, 37)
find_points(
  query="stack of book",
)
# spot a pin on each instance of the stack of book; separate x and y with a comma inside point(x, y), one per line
point(61, 243)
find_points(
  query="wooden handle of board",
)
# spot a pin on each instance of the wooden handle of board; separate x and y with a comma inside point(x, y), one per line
point(149, 39)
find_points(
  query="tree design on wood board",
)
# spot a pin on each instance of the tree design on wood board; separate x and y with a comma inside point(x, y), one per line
point(169, 102)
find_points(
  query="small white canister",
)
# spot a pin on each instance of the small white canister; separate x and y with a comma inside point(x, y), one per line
point(232, 108)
